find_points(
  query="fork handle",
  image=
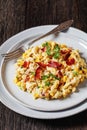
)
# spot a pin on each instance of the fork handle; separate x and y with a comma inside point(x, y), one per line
point(61, 27)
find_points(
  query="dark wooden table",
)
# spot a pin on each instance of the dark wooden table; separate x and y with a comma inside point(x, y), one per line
point(17, 15)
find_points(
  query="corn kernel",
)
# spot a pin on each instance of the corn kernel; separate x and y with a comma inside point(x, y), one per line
point(80, 72)
point(82, 79)
point(52, 94)
point(64, 78)
point(19, 83)
point(36, 95)
point(85, 70)
point(15, 80)
point(20, 62)
point(37, 60)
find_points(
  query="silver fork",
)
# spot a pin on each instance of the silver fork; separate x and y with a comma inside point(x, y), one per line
point(61, 27)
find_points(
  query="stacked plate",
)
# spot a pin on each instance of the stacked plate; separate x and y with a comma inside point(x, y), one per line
point(22, 102)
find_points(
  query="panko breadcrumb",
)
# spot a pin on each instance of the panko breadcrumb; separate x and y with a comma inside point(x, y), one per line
point(50, 71)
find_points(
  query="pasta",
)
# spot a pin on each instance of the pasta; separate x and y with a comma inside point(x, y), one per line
point(50, 71)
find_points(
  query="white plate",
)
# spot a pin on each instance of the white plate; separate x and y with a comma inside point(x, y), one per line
point(20, 97)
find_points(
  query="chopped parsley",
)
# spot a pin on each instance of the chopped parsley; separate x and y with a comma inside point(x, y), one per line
point(45, 44)
point(47, 83)
point(33, 73)
point(48, 49)
point(56, 55)
point(56, 51)
point(44, 77)
point(75, 73)
point(38, 87)
point(56, 48)
point(54, 76)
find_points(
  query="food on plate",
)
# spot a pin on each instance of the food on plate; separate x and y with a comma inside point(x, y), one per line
point(50, 71)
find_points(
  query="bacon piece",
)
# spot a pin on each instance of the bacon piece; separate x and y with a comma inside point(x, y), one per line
point(42, 64)
point(43, 49)
point(66, 56)
point(70, 61)
point(26, 64)
point(55, 64)
point(59, 74)
point(65, 53)
point(27, 78)
point(38, 73)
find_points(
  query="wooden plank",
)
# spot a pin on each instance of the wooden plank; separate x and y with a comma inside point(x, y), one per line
point(12, 18)
point(56, 11)
point(82, 14)
point(47, 12)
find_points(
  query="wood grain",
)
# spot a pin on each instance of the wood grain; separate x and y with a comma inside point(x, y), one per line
point(10, 120)
point(12, 18)
point(17, 15)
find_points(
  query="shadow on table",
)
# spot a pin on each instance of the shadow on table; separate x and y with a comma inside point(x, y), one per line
point(76, 121)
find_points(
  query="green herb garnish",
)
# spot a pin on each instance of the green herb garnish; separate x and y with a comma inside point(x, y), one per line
point(38, 87)
point(45, 44)
point(47, 83)
point(54, 76)
point(56, 51)
point(56, 48)
point(56, 55)
point(33, 73)
point(57, 78)
point(48, 49)
point(44, 77)
point(75, 73)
